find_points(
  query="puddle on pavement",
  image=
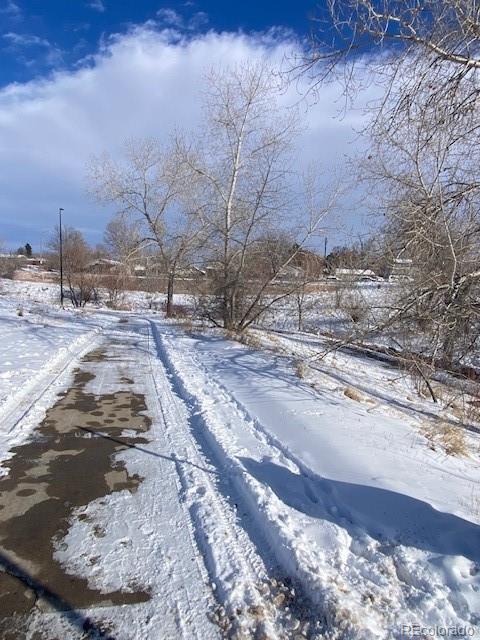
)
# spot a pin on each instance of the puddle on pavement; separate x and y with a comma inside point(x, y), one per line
point(68, 464)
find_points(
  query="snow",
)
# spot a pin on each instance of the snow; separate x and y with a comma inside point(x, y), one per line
point(370, 519)
point(181, 540)
point(252, 473)
point(28, 343)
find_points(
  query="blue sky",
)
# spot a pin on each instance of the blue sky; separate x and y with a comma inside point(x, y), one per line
point(40, 35)
point(79, 77)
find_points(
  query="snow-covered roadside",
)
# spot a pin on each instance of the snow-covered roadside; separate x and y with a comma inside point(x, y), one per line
point(37, 346)
point(382, 384)
point(355, 504)
point(24, 293)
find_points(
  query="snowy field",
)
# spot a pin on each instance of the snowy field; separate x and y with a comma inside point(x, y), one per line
point(335, 477)
point(33, 333)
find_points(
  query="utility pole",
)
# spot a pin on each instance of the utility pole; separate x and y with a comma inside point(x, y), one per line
point(325, 249)
point(61, 257)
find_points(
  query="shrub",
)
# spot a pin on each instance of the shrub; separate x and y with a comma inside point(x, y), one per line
point(450, 437)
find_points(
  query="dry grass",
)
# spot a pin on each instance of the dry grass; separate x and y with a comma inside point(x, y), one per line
point(178, 311)
point(302, 369)
point(450, 438)
point(472, 411)
point(467, 407)
point(121, 305)
point(353, 394)
point(248, 338)
point(453, 440)
point(187, 326)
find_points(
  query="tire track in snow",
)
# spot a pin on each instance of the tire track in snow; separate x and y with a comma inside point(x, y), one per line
point(289, 545)
point(277, 623)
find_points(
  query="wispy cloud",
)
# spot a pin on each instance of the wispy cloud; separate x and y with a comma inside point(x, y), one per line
point(171, 18)
point(11, 9)
point(198, 20)
point(97, 5)
point(22, 43)
point(80, 26)
point(25, 40)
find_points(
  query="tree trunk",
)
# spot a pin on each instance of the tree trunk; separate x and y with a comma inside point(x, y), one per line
point(227, 313)
point(227, 303)
point(170, 283)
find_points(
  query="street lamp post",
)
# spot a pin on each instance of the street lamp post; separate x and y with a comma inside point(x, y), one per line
point(61, 256)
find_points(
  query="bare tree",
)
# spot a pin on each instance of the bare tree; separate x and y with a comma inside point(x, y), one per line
point(242, 169)
point(423, 174)
point(4, 267)
point(433, 220)
point(123, 239)
point(415, 50)
point(423, 162)
point(82, 285)
point(309, 268)
point(428, 33)
point(148, 186)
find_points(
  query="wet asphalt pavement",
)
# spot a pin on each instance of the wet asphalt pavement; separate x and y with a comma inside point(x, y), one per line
point(68, 462)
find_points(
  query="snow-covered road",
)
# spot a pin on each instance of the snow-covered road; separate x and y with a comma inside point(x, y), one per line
point(136, 529)
point(129, 537)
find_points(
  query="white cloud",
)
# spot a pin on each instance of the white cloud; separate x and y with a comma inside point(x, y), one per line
point(197, 21)
point(97, 5)
point(25, 40)
point(140, 84)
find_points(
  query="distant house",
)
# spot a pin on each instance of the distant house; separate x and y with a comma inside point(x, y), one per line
point(289, 274)
point(401, 270)
point(36, 262)
point(190, 273)
point(103, 265)
point(356, 275)
point(139, 270)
